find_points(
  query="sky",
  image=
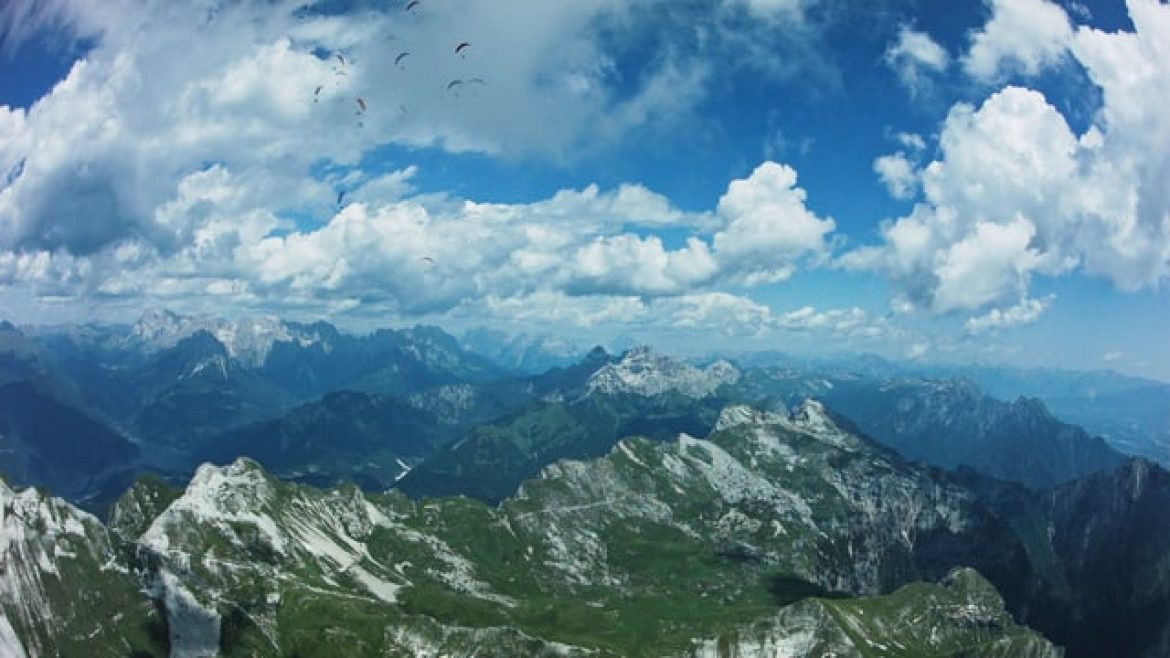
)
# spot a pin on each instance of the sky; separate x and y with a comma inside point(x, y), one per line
point(963, 181)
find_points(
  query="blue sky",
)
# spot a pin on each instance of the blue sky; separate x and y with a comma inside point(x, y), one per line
point(961, 181)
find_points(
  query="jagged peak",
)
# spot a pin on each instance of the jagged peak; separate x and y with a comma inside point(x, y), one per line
point(641, 351)
point(811, 413)
point(243, 476)
point(1032, 405)
point(598, 353)
point(239, 467)
point(247, 339)
point(976, 589)
point(812, 418)
point(737, 415)
point(642, 371)
point(30, 506)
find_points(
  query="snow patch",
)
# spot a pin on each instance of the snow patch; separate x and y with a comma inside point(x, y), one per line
point(9, 644)
point(194, 629)
point(384, 590)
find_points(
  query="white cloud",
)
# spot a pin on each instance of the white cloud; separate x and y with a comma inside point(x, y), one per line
point(990, 263)
point(897, 173)
point(723, 313)
point(1026, 312)
point(1022, 36)
point(221, 172)
point(841, 321)
point(627, 264)
point(915, 56)
point(1112, 356)
point(1015, 193)
point(768, 227)
point(138, 115)
point(418, 255)
point(911, 141)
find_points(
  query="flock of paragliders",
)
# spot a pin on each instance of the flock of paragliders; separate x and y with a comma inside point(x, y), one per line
point(453, 86)
point(339, 70)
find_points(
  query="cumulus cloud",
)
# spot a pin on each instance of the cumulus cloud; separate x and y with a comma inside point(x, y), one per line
point(1015, 193)
point(897, 173)
point(1026, 312)
point(237, 176)
point(915, 56)
point(900, 171)
point(90, 164)
point(842, 321)
point(990, 263)
point(417, 255)
point(1022, 36)
point(768, 227)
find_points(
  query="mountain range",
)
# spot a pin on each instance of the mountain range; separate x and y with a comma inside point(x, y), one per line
point(773, 533)
point(397, 493)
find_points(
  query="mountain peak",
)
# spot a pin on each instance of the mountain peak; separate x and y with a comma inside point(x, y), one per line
point(741, 414)
point(237, 492)
point(811, 413)
point(1033, 406)
point(242, 483)
point(248, 340)
point(642, 371)
point(813, 418)
point(598, 354)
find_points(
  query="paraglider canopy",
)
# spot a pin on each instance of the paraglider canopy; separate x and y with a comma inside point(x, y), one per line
point(414, 3)
point(401, 56)
point(461, 47)
point(361, 103)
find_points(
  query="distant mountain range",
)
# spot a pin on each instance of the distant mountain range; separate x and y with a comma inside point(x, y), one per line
point(1128, 412)
point(184, 390)
point(951, 423)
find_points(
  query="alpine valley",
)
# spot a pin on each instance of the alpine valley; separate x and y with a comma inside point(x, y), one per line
point(196, 486)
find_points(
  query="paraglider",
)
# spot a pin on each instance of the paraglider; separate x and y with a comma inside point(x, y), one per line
point(476, 81)
point(401, 56)
point(340, 198)
point(461, 47)
point(361, 102)
point(454, 83)
point(413, 4)
point(428, 260)
point(340, 58)
point(317, 92)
